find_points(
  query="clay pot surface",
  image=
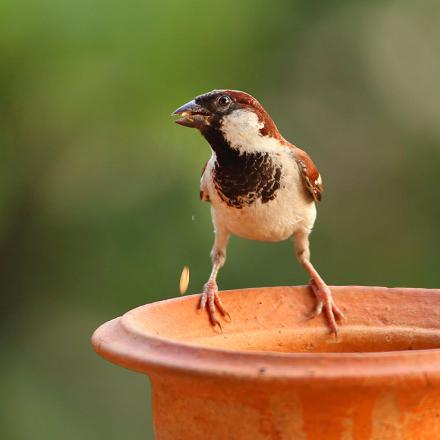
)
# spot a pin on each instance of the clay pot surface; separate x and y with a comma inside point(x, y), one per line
point(274, 374)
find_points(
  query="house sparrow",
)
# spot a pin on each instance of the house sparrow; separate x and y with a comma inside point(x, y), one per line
point(260, 186)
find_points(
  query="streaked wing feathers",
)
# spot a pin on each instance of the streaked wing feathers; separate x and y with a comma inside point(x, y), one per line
point(310, 174)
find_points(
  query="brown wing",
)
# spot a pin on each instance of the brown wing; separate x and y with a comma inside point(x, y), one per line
point(203, 190)
point(310, 174)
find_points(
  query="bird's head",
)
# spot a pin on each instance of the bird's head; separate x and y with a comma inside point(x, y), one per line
point(237, 116)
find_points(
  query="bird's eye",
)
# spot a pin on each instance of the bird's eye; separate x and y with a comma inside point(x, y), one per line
point(224, 100)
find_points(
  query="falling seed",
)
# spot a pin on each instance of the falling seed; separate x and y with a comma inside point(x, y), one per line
point(184, 280)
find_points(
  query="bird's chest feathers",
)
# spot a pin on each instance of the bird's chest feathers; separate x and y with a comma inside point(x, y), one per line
point(248, 166)
point(247, 178)
point(262, 200)
point(253, 181)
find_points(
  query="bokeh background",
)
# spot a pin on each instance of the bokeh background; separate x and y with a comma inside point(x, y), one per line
point(99, 206)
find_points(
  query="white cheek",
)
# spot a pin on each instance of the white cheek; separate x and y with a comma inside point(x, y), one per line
point(242, 128)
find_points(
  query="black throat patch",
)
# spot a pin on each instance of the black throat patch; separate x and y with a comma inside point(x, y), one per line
point(242, 179)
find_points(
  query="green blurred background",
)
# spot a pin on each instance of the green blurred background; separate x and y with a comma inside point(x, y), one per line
point(99, 206)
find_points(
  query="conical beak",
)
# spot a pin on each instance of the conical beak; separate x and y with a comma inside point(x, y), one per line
point(192, 115)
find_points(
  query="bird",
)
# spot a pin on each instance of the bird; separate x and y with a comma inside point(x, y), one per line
point(260, 186)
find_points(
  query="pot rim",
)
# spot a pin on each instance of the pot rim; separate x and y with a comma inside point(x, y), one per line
point(122, 342)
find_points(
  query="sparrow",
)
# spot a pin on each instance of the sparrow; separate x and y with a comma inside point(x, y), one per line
point(260, 187)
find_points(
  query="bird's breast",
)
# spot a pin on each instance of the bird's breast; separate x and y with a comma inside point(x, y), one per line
point(247, 179)
point(263, 200)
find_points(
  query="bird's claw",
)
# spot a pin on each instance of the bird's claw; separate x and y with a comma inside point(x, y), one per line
point(325, 303)
point(210, 300)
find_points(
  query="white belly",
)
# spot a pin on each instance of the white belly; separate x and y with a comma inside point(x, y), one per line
point(275, 220)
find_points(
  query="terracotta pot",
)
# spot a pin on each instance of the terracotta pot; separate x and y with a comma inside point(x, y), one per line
point(272, 374)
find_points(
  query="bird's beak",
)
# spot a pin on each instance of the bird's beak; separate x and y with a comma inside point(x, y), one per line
point(192, 115)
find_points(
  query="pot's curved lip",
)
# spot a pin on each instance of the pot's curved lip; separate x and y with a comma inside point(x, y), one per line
point(123, 342)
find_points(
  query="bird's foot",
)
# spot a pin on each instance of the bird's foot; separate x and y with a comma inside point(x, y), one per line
point(325, 302)
point(210, 300)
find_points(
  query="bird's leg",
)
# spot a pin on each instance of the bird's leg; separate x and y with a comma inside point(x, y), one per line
point(319, 287)
point(210, 298)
